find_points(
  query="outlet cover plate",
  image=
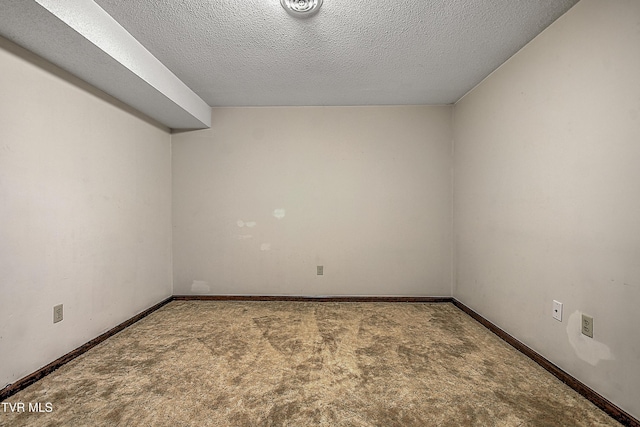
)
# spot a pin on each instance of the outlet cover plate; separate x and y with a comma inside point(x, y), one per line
point(320, 270)
point(587, 325)
point(557, 310)
point(58, 313)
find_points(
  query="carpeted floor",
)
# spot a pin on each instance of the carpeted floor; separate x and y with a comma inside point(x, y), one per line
point(201, 363)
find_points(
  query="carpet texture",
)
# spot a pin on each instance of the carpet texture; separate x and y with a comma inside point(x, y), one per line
point(203, 363)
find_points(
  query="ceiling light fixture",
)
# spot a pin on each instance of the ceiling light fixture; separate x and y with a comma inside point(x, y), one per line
point(301, 8)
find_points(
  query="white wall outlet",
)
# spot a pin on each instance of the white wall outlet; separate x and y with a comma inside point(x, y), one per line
point(320, 270)
point(57, 313)
point(557, 310)
point(587, 325)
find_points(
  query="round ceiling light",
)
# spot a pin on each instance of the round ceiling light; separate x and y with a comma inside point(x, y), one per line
point(301, 8)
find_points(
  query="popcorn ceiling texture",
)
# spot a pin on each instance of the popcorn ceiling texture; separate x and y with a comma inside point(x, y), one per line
point(252, 53)
point(357, 52)
point(304, 364)
point(81, 38)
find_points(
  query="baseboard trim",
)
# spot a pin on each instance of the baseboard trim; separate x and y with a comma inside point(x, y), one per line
point(612, 410)
point(300, 298)
point(22, 383)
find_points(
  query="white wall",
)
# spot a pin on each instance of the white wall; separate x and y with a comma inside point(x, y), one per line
point(547, 195)
point(546, 202)
point(85, 190)
point(364, 191)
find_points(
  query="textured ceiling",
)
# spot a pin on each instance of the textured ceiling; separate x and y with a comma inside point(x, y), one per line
point(82, 38)
point(357, 52)
point(172, 59)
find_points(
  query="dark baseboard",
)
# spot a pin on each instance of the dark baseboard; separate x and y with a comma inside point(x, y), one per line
point(22, 383)
point(310, 298)
point(612, 410)
point(43, 372)
point(608, 407)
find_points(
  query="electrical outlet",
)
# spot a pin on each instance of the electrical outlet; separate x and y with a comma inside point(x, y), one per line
point(57, 313)
point(557, 310)
point(320, 270)
point(587, 325)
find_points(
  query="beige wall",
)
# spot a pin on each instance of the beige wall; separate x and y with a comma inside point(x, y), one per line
point(547, 195)
point(363, 191)
point(84, 213)
point(546, 202)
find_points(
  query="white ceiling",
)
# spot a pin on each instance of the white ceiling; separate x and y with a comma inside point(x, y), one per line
point(357, 52)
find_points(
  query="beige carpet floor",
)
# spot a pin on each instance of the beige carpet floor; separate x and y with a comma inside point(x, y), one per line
point(201, 363)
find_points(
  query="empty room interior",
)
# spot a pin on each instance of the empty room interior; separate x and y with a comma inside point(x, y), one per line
point(329, 213)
